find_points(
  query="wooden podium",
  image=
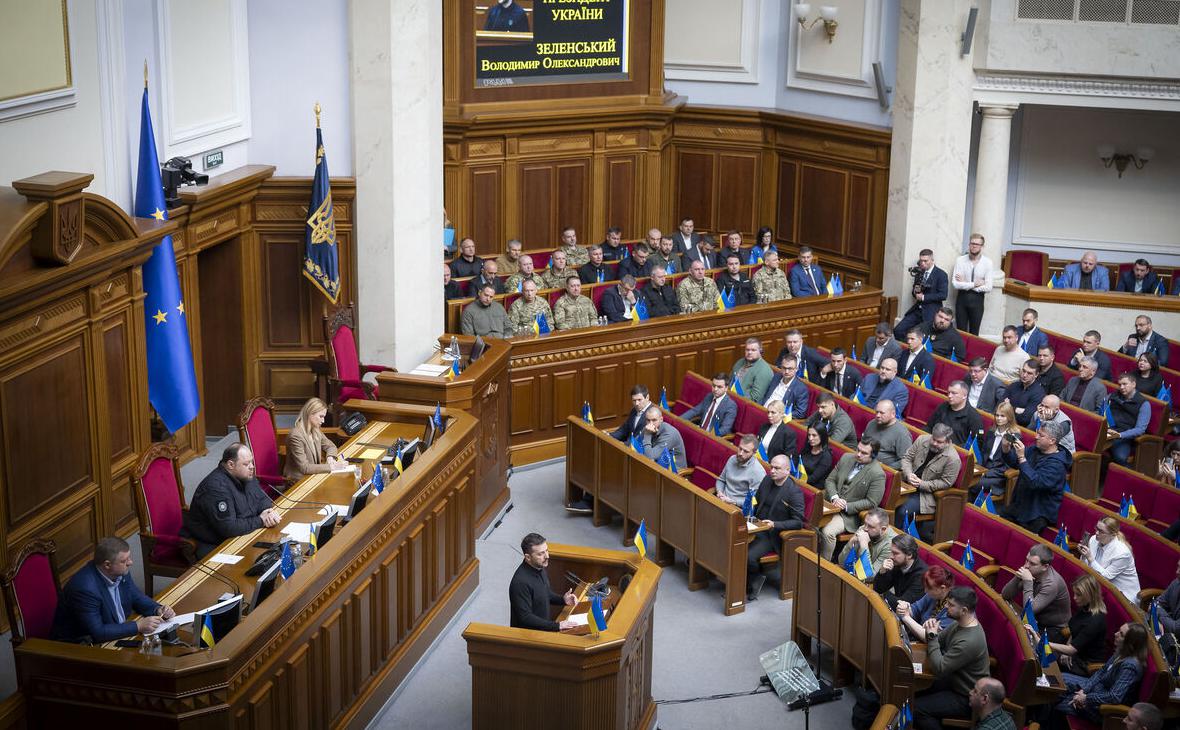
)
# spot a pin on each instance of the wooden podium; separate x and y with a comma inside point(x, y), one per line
point(541, 679)
point(481, 389)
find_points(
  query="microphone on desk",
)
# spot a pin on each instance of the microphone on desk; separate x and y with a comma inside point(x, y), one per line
point(600, 589)
point(302, 501)
point(209, 571)
point(573, 578)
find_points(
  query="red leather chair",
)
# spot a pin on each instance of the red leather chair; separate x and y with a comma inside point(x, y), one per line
point(1028, 266)
point(345, 368)
point(160, 506)
point(256, 429)
point(32, 588)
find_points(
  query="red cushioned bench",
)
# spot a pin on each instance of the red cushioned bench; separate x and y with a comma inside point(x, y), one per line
point(1157, 503)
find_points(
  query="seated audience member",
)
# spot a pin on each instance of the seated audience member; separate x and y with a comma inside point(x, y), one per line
point(884, 385)
point(1031, 337)
point(686, 237)
point(559, 271)
point(807, 278)
point(529, 593)
point(572, 309)
point(808, 361)
point(1085, 390)
point(658, 436)
point(1049, 376)
point(485, 316)
point(451, 289)
point(831, 418)
point(618, 301)
point(705, 252)
point(890, 433)
point(1110, 556)
point(780, 507)
point(1086, 275)
point(930, 288)
point(770, 283)
point(957, 656)
point(984, 389)
point(816, 458)
point(660, 295)
point(915, 363)
point(742, 472)
point(987, 705)
point(734, 284)
point(697, 292)
point(1087, 629)
point(1116, 683)
point(466, 263)
point(1131, 413)
point(633, 425)
point(732, 243)
point(717, 411)
point(995, 479)
point(1148, 379)
point(1038, 581)
point(937, 584)
point(944, 339)
point(1169, 464)
point(1008, 357)
point(855, 485)
point(1049, 411)
point(523, 313)
point(1023, 394)
point(96, 603)
point(838, 377)
point(613, 246)
point(754, 373)
point(576, 256)
point(525, 272)
point(776, 437)
point(874, 535)
point(900, 577)
point(1169, 605)
point(228, 502)
point(972, 279)
point(1144, 715)
point(665, 255)
point(1091, 342)
point(1145, 339)
point(594, 271)
point(1139, 279)
point(790, 390)
point(930, 465)
point(638, 264)
point(489, 276)
point(1041, 484)
point(308, 450)
point(957, 414)
point(764, 240)
point(508, 263)
point(881, 345)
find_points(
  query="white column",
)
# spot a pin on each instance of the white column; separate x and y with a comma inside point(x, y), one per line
point(991, 205)
point(397, 156)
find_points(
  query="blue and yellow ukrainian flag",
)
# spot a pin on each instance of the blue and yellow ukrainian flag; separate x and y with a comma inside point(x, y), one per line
point(207, 639)
point(968, 558)
point(736, 387)
point(540, 324)
point(1045, 651)
point(312, 541)
point(597, 617)
point(1061, 540)
point(1153, 616)
point(984, 501)
point(1028, 617)
point(762, 452)
point(863, 567)
point(397, 460)
point(587, 414)
point(640, 538)
point(1108, 414)
point(321, 264)
point(748, 504)
point(636, 445)
point(664, 398)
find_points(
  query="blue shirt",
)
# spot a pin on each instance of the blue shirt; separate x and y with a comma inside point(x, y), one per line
point(113, 589)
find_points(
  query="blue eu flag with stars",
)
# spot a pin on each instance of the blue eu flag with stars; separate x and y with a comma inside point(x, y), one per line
point(172, 381)
point(321, 264)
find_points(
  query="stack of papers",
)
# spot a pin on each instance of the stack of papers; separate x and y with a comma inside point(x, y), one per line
point(330, 509)
point(428, 369)
point(226, 558)
point(299, 531)
point(180, 619)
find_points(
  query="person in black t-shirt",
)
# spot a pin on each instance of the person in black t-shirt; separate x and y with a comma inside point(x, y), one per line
point(529, 594)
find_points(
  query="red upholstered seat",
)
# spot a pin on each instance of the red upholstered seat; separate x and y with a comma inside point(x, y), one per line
point(1028, 266)
point(160, 506)
point(1153, 499)
point(509, 298)
point(977, 346)
point(750, 418)
point(922, 405)
point(256, 429)
point(597, 291)
point(693, 389)
point(345, 370)
point(31, 591)
point(1088, 427)
point(703, 479)
point(554, 295)
point(947, 372)
point(540, 259)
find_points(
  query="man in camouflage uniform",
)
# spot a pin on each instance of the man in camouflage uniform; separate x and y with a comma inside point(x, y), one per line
point(575, 255)
point(526, 273)
point(509, 261)
point(697, 292)
point(523, 312)
point(770, 283)
point(558, 271)
point(665, 256)
point(572, 309)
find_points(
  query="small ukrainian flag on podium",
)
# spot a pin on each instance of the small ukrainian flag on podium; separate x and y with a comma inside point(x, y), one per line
point(640, 538)
point(207, 639)
point(597, 616)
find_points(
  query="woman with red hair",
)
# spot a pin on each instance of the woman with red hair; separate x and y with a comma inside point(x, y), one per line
point(938, 582)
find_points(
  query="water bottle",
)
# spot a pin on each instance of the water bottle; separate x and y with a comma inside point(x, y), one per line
point(454, 347)
point(297, 553)
point(145, 646)
point(157, 645)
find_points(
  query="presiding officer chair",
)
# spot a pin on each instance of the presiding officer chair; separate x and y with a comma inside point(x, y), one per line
point(160, 506)
point(345, 370)
point(32, 588)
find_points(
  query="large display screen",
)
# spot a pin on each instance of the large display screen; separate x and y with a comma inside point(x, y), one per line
point(549, 41)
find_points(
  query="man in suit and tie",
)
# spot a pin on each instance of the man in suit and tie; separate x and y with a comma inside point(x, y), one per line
point(703, 251)
point(915, 360)
point(856, 484)
point(1091, 348)
point(881, 345)
point(779, 507)
point(1086, 275)
point(838, 377)
point(985, 389)
point(716, 413)
point(807, 360)
point(1085, 390)
point(831, 418)
point(98, 600)
point(685, 238)
point(1144, 340)
point(806, 277)
point(1031, 337)
point(930, 290)
point(1140, 279)
point(633, 425)
point(884, 384)
point(789, 389)
point(929, 466)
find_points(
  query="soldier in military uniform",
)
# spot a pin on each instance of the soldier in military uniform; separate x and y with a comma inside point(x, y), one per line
point(523, 312)
point(770, 283)
point(509, 261)
point(697, 292)
point(575, 255)
point(664, 255)
point(526, 273)
point(572, 309)
point(558, 271)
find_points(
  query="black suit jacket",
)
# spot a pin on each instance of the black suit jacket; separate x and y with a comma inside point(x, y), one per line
point(681, 245)
point(1157, 345)
point(1103, 361)
point(631, 426)
point(936, 292)
point(784, 441)
point(1127, 282)
point(894, 585)
point(630, 266)
point(921, 364)
point(852, 381)
point(478, 282)
point(815, 362)
point(694, 254)
point(892, 349)
point(782, 505)
point(588, 273)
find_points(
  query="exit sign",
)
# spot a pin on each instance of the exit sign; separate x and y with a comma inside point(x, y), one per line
point(214, 159)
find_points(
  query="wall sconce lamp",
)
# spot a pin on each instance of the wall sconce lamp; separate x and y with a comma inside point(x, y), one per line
point(827, 14)
point(1109, 157)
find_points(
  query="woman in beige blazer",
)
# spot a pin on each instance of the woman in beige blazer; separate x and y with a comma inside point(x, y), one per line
point(308, 450)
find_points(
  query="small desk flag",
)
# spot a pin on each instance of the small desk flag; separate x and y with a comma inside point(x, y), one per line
point(636, 445)
point(378, 483)
point(287, 561)
point(984, 501)
point(1044, 651)
point(1108, 414)
point(756, 255)
point(597, 615)
point(748, 505)
point(640, 538)
point(587, 414)
point(720, 302)
point(968, 558)
point(928, 344)
point(664, 398)
point(736, 387)
point(853, 353)
point(762, 452)
point(668, 461)
point(863, 567)
point(911, 526)
point(207, 639)
point(541, 324)
point(1028, 617)
point(397, 460)
point(1061, 540)
point(1153, 614)
point(437, 415)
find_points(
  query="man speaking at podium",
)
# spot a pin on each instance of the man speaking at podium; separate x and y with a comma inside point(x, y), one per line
point(529, 594)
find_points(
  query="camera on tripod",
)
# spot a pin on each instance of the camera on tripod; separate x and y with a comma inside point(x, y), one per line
point(176, 173)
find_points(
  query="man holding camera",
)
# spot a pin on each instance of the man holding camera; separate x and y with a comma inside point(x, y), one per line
point(930, 290)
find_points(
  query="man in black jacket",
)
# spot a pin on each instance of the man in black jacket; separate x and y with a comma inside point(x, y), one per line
point(944, 338)
point(660, 295)
point(902, 572)
point(779, 507)
point(734, 284)
point(228, 502)
point(529, 594)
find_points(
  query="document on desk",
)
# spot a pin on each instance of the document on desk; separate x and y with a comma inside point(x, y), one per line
point(338, 468)
point(300, 531)
point(226, 558)
point(371, 453)
point(428, 369)
point(330, 509)
point(917, 667)
point(579, 619)
point(180, 619)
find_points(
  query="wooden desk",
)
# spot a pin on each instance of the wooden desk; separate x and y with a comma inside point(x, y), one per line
point(332, 642)
point(540, 679)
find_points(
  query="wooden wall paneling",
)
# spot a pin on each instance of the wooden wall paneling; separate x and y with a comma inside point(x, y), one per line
point(334, 667)
point(300, 696)
point(419, 602)
point(538, 229)
point(737, 191)
point(572, 201)
point(646, 372)
point(523, 405)
point(391, 600)
point(823, 204)
point(282, 257)
point(695, 188)
point(362, 621)
point(564, 397)
point(486, 209)
point(222, 334)
point(786, 220)
point(622, 196)
point(263, 707)
point(606, 385)
point(859, 213)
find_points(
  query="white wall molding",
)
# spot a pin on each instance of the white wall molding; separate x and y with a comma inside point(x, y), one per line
point(860, 84)
point(111, 81)
point(46, 101)
point(744, 71)
point(1105, 93)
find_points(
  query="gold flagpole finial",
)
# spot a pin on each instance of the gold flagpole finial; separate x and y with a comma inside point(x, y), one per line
point(317, 115)
point(145, 73)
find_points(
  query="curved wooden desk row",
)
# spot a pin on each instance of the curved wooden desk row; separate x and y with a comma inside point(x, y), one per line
point(1111, 299)
point(331, 644)
point(537, 679)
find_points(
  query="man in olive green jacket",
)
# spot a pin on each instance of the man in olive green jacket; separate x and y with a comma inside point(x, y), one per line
point(855, 485)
